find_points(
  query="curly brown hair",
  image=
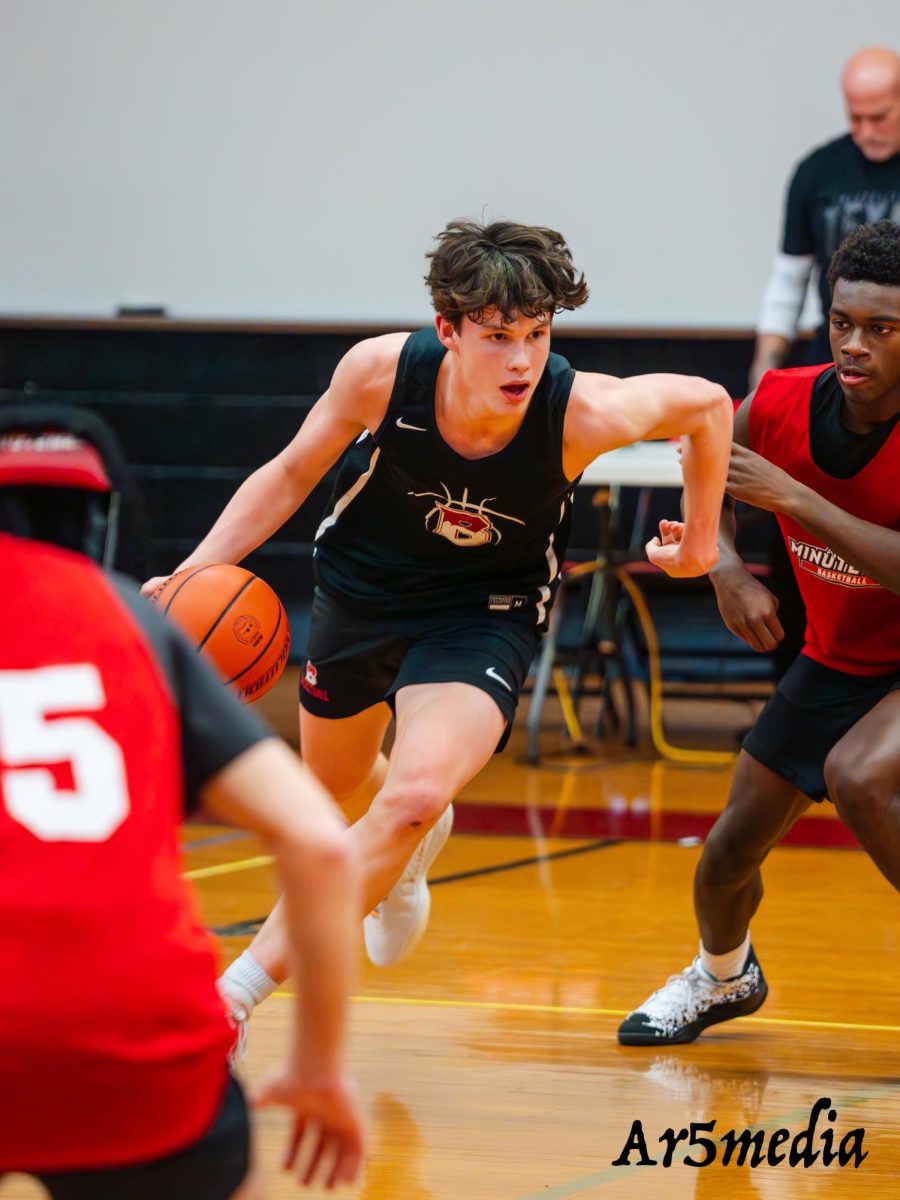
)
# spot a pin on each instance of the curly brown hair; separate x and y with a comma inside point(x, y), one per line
point(516, 270)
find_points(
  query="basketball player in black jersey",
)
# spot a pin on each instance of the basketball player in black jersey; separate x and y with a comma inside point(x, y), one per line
point(439, 557)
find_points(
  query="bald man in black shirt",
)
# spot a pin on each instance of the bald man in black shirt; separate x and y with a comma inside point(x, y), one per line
point(851, 181)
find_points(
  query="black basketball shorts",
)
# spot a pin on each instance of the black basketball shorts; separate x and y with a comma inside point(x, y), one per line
point(354, 661)
point(213, 1168)
point(807, 715)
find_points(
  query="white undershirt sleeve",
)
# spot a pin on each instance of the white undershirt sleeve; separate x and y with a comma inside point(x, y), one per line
point(784, 294)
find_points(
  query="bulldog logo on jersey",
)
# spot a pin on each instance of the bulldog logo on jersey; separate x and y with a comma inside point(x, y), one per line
point(461, 521)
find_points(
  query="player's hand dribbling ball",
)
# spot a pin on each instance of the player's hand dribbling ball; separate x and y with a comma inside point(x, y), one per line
point(235, 619)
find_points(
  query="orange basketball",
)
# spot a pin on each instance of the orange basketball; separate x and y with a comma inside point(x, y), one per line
point(235, 619)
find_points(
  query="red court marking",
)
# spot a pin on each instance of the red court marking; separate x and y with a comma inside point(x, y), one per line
point(516, 820)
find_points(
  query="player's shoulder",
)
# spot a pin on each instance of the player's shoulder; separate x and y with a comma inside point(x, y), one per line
point(374, 356)
point(778, 394)
point(47, 554)
point(367, 371)
point(363, 381)
point(55, 570)
point(788, 376)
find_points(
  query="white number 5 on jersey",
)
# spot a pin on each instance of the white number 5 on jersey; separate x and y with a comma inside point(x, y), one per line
point(30, 735)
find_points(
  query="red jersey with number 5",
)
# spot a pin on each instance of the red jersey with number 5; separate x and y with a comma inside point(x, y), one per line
point(853, 623)
point(114, 1040)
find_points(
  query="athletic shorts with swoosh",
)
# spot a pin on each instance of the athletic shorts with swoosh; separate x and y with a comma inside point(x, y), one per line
point(354, 662)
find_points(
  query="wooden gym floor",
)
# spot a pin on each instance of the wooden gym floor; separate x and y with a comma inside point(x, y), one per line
point(488, 1064)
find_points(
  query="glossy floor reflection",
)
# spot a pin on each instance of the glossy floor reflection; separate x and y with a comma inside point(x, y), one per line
point(488, 1061)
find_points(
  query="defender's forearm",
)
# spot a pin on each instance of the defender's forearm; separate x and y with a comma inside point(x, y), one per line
point(729, 559)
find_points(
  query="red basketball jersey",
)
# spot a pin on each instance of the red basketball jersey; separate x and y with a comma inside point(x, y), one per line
point(853, 623)
point(113, 1037)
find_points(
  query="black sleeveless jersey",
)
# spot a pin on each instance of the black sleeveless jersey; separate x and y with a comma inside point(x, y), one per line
point(415, 528)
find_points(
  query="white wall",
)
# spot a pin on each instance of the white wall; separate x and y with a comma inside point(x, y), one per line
point(291, 160)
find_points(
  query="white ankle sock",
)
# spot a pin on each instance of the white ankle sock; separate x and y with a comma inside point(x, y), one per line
point(246, 982)
point(725, 966)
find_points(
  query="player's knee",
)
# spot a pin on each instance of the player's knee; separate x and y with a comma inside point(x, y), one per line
point(854, 788)
point(728, 856)
point(416, 802)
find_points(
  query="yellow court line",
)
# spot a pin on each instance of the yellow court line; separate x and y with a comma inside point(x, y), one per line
point(243, 864)
point(594, 1012)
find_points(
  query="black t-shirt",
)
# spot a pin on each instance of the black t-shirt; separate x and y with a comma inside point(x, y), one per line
point(832, 192)
point(835, 449)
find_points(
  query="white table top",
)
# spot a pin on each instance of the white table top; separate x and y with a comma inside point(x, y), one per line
point(646, 464)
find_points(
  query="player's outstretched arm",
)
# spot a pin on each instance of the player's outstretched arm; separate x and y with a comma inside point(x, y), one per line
point(357, 399)
point(605, 413)
point(267, 790)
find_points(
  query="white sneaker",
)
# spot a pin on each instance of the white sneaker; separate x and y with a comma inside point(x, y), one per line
point(394, 928)
point(690, 1002)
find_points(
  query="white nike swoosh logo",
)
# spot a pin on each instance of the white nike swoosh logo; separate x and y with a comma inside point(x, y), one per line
point(493, 674)
point(401, 424)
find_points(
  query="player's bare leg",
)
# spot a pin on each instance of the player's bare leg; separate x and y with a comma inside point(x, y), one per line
point(724, 981)
point(357, 803)
point(863, 777)
point(345, 756)
point(728, 886)
point(446, 732)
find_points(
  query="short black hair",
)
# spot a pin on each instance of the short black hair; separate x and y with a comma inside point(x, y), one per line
point(870, 254)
